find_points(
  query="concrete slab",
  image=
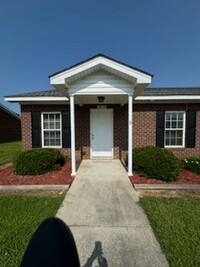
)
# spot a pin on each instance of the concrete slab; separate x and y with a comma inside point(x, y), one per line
point(109, 226)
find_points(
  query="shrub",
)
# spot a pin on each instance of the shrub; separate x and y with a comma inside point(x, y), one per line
point(192, 164)
point(38, 161)
point(157, 163)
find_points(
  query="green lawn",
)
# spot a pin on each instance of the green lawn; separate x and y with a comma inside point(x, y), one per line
point(176, 223)
point(9, 150)
point(19, 218)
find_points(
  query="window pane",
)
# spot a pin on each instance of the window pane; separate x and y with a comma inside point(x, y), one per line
point(167, 142)
point(179, 142)
point(173, 134)
point(58, 117)
point(173, 124)
point(172, 142)
point(58, 125)
point(51, 117)
point(45, 116)
point(180, 116)
point(180, 124)
point(45, 125)
point(167, 124)
point(167, 134)
point(52, 135)
point(179, 134)
point(51, 125)
point(58, 135)
point(174, 116)
point(167, 116)
point(58, 142)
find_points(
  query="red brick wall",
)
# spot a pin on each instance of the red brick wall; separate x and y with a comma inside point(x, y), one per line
point(82, 128)
point(26, 122)
point(10, 127)
point(144, 125)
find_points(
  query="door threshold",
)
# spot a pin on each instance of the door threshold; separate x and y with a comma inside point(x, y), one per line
point(101, 158)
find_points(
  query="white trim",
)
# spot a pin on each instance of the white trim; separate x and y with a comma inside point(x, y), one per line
point(73, 147)
point(176, 129)
point(43, 130)
point(130, 134)
point(41, 98)
point(177, 97)
point(97, 63)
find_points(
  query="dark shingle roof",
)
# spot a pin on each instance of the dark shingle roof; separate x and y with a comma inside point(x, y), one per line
point(171, 91)
point(47, 93)
point(147, 92)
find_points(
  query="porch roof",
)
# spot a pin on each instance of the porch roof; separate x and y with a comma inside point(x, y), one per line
point(136, 78)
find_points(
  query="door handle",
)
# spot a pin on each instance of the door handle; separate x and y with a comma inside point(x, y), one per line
point(92, 136)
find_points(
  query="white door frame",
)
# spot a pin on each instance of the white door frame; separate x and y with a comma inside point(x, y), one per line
point(100, 154)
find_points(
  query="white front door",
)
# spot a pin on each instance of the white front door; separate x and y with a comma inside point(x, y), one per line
point(101, 133)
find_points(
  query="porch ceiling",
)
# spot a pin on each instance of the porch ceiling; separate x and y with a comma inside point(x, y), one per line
point(109, 99)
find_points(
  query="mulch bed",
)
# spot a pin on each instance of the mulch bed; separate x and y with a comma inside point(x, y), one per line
point(61, 176)
point(186, 177)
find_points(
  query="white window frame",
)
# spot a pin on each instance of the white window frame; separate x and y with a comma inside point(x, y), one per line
point(43, 130)
point(175, 129)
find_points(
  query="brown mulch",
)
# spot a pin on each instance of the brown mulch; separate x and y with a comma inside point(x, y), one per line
point(61, 176)
point(186, 177)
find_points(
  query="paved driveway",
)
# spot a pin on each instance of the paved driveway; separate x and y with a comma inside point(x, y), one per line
point(109, 227)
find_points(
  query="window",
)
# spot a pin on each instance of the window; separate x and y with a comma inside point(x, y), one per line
point(175, 128)
point(51, 129)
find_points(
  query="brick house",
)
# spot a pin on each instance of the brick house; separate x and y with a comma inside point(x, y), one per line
point(102, 108)
point(10, 125)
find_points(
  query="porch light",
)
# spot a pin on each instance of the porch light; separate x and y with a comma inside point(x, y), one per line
point(101, 99)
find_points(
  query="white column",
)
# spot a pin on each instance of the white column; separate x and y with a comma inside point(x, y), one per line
point(130, 133)
point(72, 123)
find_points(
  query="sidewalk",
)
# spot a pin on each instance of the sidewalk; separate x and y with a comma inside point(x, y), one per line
point(109, 226)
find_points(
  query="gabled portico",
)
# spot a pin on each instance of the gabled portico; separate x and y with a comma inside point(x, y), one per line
point(96, 77)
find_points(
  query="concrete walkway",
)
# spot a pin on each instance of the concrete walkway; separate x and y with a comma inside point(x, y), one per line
point(109, 227)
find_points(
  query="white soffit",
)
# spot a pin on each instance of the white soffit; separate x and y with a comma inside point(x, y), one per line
point(79, 71)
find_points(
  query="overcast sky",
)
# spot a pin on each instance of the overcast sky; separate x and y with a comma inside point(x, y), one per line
point(40, 37)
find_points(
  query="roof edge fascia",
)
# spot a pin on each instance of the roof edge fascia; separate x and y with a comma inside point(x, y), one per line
point(96, 63)
point(35, 99)
point(174, 97)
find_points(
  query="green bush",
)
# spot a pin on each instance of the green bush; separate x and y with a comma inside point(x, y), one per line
point(38, 161)
point(192, 164)
point(157, 163)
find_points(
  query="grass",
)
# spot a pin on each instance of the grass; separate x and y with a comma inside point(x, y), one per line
point(9, 150)
point(19, 218)
point(176, 224)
